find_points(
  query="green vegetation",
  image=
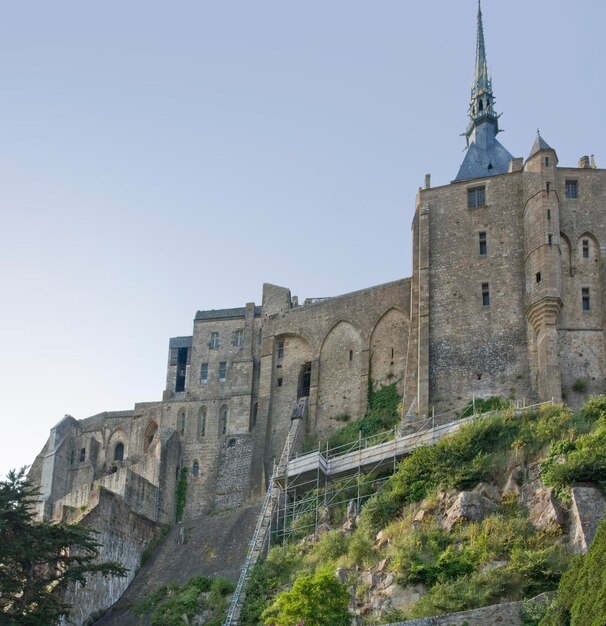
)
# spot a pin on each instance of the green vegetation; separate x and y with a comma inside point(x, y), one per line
point(180, 495)
point(200, 594)
point(39, 560)
point(502, 557)
point(381, 414)
point(319, 600)
point(579, 385)
point(581, 597)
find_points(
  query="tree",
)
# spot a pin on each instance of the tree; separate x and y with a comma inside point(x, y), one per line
point(319, 600)
point(38, 560)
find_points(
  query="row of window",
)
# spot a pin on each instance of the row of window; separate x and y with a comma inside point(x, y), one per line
point(223, 420)
point(476, 196)
point(237, 339)
point(222, 372)
point(484, 244)
point(585, 295)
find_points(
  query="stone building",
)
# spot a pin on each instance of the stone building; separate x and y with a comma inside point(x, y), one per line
point(505, 299)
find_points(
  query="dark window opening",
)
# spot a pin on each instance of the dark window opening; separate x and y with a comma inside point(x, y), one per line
point(475, 197)
point(351, 355)
point(585, 248)
point(485, 294)
point(82, 455)
point(253, 415)
point(280, 380)
point(479, 376)
point(538, 277)
point(548, 187)
point(119, 452)
point(480, 105)
point(181, 369)
point(231, 443)
point(548, 214)
point(195, 468)
point(202, 422)
point(585, 298)
point(304, 380)
point(150, 431)
point(223, 420)
point(571, 189)
point(71, 458)
point(182, 421)
point(280, 349)
point(547, 162)
point(489, 166)
point(483, 244)
point(550, 239)
point(204, 372)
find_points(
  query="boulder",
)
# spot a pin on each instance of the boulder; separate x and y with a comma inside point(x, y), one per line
point(513, 481)
point(543, 509)
point(469, 506)
point(403, 597)
point(492, 492)
point(586, 512)
point(341, 574)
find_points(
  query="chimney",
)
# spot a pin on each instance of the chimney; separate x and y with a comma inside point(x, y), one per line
point(584, 162)
point(427, 181)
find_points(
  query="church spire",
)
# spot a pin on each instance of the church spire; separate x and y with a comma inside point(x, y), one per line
point(481, 105)
point(485, 156)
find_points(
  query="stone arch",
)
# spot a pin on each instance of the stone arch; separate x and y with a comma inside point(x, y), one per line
point(388, 348)
point(118, 436)
point(150, 433)
point(119, 451)
point(181, 420)
point(341, 387)
point(566, 255)
point(223, 419)
point(201, 429)
point(593, 249)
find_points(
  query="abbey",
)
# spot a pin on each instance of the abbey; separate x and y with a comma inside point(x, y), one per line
point(505, 299)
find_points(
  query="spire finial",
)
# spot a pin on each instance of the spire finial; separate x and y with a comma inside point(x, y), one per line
point(481, 69)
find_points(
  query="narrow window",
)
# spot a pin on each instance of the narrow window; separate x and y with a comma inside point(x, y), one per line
point(181, 369)
point(280, 349)
point(239, 338)
point(485, 294)
point(571, 189)
point(548, 187)
point(204, 372)
point(479, 376)
point(253, 415)
point(546, 161)
point(280, 380)
point(351, 355)
point(231, 443)
point(195, 468)
point(222, 371)
point(585, 248)
point(548, 214)
point(119, 452)
point(201, 422)
point(182, 421)
point(223, 420)
point(538, 277)
point(550, 239)
point(585, 298)
point(483, 244)
point(475, 197)
point(71, 458)
point(83, 450)
point(213, 344)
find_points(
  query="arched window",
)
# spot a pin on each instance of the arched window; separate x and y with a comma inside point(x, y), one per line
point(181, 422)
point(195, 468)
point(223, 420)
point(119, 452)
point(150, 431)
point(201, 422)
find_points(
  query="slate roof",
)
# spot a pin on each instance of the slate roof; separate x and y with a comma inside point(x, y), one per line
point(539, 144)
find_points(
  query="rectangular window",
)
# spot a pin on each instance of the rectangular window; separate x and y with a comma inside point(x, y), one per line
point(548, 187)
point(280, 349)
point(585, 248)
point(546, 161)
point(204, 372)
point(485, 294)
point(585, 298)
point(238, 338)
point(280, 382)
point(222, 371)
point(213, 344)
point(538, 277)
point(475, 197)
point(483, 244)
point(548, 214)
point(83, 450)
point(550, 239)
point(571, 189)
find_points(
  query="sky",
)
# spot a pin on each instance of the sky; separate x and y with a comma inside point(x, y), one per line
point(158, 158)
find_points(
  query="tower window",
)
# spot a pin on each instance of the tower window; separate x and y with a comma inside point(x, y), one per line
point(547, 165)
point(280, 349)
point(119, 452)
point(222, 371)
point(238, 338)
point(213, 344)
point(548, 214)
point(550, 239)
point(585, 298)
point(223, 420)
point(280, 381)
point(351, 355)
point(201, 422)
point(195, 468)
point(204, 372)
point(538, 277)
point(485, 294)
point(483, 244)
point(475, 197)
point(548, 187)
point(585, 248)
point(571, 189)
point(83, 450)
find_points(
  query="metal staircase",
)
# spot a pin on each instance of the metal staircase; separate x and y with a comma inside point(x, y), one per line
point(261, 535)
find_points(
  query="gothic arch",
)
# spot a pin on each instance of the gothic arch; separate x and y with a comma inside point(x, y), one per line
point(181, 416)
point(340, 384)
point(201, 427)
point(149, 435)
point(388, 348)
point(594, 247)
point(118, 436)
point(566, 255)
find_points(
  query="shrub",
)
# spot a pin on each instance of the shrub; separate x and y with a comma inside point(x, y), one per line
point(579, 385)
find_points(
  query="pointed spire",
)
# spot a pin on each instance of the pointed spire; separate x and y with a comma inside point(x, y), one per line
point(481, 68)
point(539, 144)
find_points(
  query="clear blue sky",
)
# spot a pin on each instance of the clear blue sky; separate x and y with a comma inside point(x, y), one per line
point(162, 157)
